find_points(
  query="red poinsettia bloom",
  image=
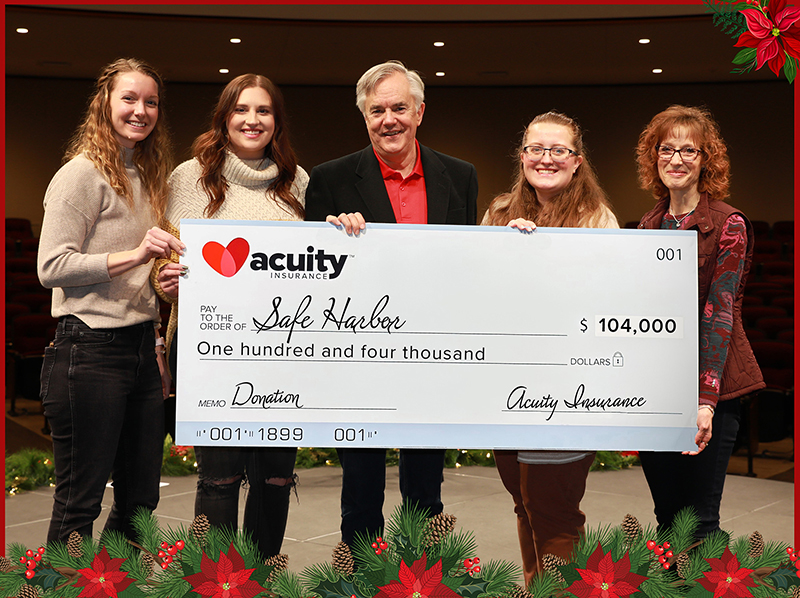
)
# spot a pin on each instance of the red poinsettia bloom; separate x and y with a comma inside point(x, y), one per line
point(605, 578)
point(226, 578)
point(772, 33)
point(104, 578)
point(726, 578)
point(416, 582)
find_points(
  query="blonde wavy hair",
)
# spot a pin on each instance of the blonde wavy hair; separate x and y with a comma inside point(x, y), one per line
point(96, 140)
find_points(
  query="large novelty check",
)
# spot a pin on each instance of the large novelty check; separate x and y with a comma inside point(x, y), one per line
point(294, 334)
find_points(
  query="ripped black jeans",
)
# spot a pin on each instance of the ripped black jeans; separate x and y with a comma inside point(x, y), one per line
point(269, 473)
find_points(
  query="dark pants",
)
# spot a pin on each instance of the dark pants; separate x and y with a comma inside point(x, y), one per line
point(364, 482)
point(678, 481)
point(270, 475)
point(101, 393)
point(547, 501)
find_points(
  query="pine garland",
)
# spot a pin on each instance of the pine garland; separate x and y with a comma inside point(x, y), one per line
point(172, 563)
point(405, 545)
point(32, 468)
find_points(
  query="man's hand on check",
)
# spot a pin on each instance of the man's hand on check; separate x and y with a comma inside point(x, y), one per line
point(353, 223)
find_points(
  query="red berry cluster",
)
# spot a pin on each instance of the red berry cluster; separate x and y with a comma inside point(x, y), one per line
point(793, 557)
point(30, 560)
point(379, 545)
point(753, 2)
point(168, 551)
point(471, 565)
point(662, 551)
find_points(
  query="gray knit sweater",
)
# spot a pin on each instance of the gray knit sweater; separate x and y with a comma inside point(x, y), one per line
point(84, 221)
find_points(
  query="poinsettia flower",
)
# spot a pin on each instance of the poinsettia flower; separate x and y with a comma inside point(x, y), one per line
point(726, 578)
point(772, 32)
point(605, 578)
point(104, 578)
point(227, 578)
point(417, 582)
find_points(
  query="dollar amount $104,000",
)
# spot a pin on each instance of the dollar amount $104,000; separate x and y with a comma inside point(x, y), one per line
point(645, 327)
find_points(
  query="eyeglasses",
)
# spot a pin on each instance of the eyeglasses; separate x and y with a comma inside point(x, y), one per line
point(559, 154)
point(687, 154)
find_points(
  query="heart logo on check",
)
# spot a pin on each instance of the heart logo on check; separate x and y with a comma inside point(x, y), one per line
point(226, 260)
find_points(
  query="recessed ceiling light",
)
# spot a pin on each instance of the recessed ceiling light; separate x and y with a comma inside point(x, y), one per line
point(657, 71)
point(440, 74)
point(438, 44)
point(22, 30)
point(236, 40)
point(224, 71)
point(644, 40)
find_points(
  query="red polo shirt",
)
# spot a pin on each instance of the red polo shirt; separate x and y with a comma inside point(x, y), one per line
point(408, 196)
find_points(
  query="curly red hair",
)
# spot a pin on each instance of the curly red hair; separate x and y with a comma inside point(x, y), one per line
point(704, 131)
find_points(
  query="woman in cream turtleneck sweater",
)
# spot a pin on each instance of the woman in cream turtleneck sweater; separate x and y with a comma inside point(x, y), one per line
point(243, 168)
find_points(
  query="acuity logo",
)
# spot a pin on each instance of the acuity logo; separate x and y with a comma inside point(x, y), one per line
point(226, 260)
point(314, 264)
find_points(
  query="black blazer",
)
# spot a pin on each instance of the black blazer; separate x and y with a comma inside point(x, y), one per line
point(354, 184)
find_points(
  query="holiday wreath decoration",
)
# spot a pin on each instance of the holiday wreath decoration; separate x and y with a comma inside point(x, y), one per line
point(415, 557)
point(768, 31)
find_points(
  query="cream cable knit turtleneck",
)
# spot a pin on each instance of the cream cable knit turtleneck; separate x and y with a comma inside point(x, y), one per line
point(245, 199)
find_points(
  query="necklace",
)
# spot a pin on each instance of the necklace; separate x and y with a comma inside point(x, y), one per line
point(679, 220)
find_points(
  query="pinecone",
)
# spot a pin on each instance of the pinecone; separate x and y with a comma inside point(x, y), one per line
point(279, 562)
point(27, 591)
point(74, 545)
point(438, 527)
point(684, 565)
point(550, 562)
point(343, 559)
point(148, 563)
point(756, 545)
point(632, 529)
point(199, 528)
point(796, 592)
point(517, 591)
point(6, 565)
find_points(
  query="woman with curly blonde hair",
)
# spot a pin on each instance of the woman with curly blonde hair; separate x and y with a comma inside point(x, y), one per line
point(104, 377)
point(555, 186)
point(683, 161)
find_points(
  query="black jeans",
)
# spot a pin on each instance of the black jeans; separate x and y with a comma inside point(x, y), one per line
point(364, 481)
point(101, 393)
point(678, 481)
point(269, 472)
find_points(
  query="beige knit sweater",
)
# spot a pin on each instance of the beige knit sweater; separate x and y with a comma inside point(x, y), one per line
point(84, 221)
point(245, 199)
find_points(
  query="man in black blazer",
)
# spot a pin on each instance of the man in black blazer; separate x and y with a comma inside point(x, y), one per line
point(395, 179)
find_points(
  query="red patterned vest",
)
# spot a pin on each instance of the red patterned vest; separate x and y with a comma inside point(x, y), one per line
point(741, 374)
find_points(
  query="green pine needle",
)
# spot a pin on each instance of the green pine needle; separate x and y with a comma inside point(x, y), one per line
point(682, 532)
point(544, 586)
point(288, 585)
point(317, 573)
point(727, 15)
point(501, 575)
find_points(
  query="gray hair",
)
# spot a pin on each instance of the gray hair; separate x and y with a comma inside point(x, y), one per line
point(369, 80)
